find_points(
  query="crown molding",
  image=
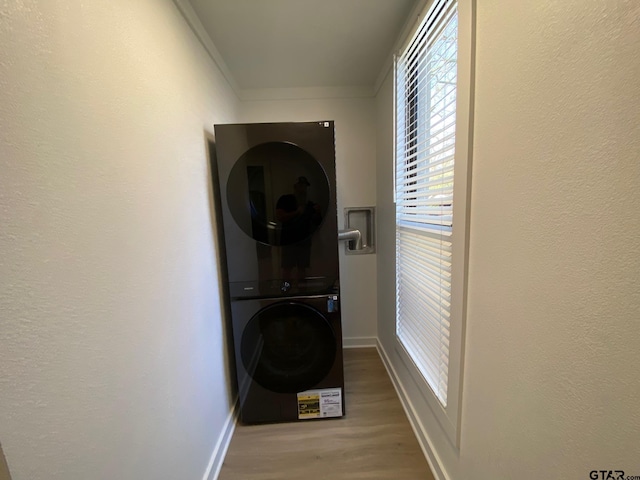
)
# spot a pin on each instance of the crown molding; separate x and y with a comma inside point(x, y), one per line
point(298, 93)
point(203, 37)
point(418, 11)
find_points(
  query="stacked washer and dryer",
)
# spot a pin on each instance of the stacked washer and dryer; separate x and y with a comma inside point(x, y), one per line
point(278, 191)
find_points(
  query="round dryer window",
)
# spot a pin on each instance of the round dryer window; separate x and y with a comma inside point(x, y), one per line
point(288, 347)
point(277, 193)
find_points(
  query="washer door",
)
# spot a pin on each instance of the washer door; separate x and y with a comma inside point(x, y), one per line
point(277, 193)
point(288, 347)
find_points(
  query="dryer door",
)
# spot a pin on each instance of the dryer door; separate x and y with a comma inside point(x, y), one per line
point(278, 194)
point(288, 347)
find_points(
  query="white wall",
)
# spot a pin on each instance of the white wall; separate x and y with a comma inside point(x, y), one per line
point(112, 358)
point(551, 371)
point(356, 187)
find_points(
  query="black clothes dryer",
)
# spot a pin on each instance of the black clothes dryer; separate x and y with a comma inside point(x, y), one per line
point(278, 189)
point(288, 358)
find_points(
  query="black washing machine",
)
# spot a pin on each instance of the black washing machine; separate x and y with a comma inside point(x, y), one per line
point(278, 190)
point(289, 358)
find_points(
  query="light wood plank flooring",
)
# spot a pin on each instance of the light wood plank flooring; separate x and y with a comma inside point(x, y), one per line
point(373, 441)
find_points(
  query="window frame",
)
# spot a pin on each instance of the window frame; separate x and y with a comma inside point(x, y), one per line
point(449, 416)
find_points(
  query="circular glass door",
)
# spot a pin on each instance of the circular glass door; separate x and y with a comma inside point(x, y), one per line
point(277, 193)
point(288, 347)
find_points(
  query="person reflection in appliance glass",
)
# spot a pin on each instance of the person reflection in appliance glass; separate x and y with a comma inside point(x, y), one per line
point(299, 217)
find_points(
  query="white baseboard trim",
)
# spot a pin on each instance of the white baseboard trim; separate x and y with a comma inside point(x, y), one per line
point(359, 342)
point(220, 450)
point(421, 434)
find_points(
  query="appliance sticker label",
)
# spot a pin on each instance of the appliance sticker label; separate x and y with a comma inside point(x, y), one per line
point(332, 303)
point(323, 403)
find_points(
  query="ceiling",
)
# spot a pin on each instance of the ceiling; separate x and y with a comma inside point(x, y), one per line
point(303, 43)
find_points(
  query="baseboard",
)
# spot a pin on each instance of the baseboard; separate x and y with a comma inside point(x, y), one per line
point(359, 342)
point(220, 450)
point(421, 434)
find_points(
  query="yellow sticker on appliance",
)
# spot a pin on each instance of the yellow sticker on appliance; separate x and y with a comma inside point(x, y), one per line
point(322, 403)
point(308, 405)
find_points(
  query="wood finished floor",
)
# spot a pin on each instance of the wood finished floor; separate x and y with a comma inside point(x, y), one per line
point(373, 441)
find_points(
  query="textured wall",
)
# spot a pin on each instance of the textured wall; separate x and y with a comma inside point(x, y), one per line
point(356, 178)
point(112, 358)
point(551, 382)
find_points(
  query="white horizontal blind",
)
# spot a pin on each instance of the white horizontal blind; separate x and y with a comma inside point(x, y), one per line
point(425, 147)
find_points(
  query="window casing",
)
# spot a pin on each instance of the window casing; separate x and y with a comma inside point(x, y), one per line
point(433, 78)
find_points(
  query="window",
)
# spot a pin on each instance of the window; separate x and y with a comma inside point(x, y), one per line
point(431, 169)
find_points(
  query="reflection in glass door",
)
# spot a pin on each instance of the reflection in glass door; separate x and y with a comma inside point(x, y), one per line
point(288, 347)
